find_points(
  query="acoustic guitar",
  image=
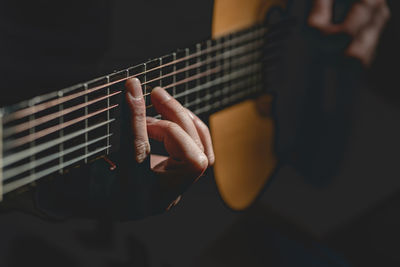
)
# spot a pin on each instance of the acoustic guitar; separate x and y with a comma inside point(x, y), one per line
point(218, 79)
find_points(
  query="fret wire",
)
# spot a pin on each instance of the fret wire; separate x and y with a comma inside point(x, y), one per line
point(26, 180)
point(144, 87)
point(108, 115)
point(208, 79)
point(1, 155)
point(26, 111)
point(86, 121)
point(29, 138)
point(160, 72)
point(174, 75)
point(229, 70)
point(186, 74)
point(16, 157)
point(32, 145)
point(257, 38)
point(221, 62)
point(61, 121)
point(198, 49)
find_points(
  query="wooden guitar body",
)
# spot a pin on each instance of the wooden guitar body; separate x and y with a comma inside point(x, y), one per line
point(243, 137)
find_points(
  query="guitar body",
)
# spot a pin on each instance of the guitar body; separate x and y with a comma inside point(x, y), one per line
point(243, 137)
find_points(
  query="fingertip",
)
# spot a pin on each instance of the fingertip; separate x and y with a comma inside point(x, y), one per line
point(315, 21)
point(160, 95)
point(211, 159)
point(201, 164)
point(134, 88)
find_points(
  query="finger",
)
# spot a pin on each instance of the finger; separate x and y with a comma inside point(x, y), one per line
point(373, 3)
point(134, 97)
point(364, 45)
point(321, 14)
point(205, 137)
point(178, 144)
point(172, 110)
point(359, 17)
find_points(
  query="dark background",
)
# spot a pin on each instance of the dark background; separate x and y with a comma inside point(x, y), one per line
point(352, 218)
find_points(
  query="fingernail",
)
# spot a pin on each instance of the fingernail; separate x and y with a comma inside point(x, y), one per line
point(135, 89)
point(160, 94)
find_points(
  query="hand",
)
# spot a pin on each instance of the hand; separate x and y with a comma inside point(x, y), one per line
point(364, 23)
point(186, 138)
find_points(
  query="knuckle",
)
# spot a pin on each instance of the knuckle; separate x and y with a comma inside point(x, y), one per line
point(173, 105)
point(179, 109)
point(314, 22)
point(142, 150)
point(171, 126)
point(203, 127)
point(139, 115)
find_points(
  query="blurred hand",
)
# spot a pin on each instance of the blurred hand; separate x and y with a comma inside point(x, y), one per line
point(186, 138)
point(364, 23)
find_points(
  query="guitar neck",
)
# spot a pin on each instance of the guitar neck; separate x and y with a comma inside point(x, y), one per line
point(54, 132)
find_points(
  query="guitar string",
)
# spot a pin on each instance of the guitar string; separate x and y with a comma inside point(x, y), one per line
point(67, 152)
point(8, 174)
point(236, 52)
point(234, 93)
point(237, 37)
point(206, 109)
point(34, 136)
point(18, 156)
point(197, 76)
point(236, 74)
point(42, 106)
point(31, 178)
point(216, 94)
point(36, 122)
point(12, 159)
point(23, 140)
point(32, 123)
point(35, 176)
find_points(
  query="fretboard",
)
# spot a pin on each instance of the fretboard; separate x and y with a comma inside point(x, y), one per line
point(54, 132)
